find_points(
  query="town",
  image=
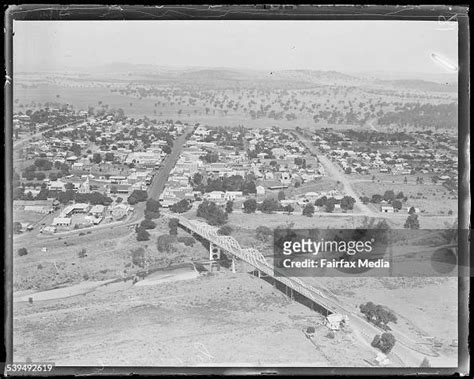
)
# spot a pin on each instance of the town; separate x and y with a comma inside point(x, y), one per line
point(95, 172)
point(160, 169)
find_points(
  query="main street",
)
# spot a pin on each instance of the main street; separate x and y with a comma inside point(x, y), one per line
point(161, 177)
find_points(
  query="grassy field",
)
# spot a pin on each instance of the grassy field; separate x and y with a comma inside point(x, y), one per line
point(108, 256)
point(432, 199)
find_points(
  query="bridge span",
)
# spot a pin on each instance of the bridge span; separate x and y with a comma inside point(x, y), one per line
point(409, 350)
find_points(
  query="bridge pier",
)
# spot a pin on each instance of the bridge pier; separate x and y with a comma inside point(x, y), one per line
point(233, 265)
point(289, 292)
point(214, 256)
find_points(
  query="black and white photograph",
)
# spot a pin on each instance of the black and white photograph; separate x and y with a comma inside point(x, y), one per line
point(223, 193)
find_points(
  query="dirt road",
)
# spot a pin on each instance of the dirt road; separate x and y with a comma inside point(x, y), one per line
point(335, 173)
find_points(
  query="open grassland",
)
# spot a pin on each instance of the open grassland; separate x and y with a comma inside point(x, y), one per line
point(214, 320)
point(108, 255)
point(432, 199)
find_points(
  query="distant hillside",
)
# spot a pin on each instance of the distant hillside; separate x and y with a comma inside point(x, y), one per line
point(421, 85)
point(317, 77)
point(215, 74)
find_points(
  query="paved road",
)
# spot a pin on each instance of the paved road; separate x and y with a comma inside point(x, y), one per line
point(39, 134)
point(160, 179)
point(337, 174)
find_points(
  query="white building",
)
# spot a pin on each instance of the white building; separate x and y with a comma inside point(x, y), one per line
point(61, 221)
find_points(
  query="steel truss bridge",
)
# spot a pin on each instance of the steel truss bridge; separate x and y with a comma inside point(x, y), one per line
point(322, 297)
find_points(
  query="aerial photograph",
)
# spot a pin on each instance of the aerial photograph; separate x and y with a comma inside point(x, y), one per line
point(159, 166)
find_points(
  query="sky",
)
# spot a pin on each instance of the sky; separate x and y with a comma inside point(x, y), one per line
point(345, 46)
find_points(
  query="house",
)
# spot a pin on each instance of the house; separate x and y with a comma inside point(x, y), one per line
point(120, 211)
point(285, 177)
point(61, 221)
point(97, 210)
point(260, 190)
point(121, 188)
point(335, 321)
point(26, 226)
point(49, 229)
point(74, 208)
point(94, 220)
point(84, 187)
point(233, 195)
point(57, 185)
point(39, 208)
point(312, 196)
point(215, 195)
point(386, 209)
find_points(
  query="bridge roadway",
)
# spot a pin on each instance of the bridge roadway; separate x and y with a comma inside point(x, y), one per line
point(407, 350)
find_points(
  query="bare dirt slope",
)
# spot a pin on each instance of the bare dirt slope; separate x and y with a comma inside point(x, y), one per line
point(223, 319)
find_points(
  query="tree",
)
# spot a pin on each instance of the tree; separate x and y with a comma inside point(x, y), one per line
point(263, 233)
point(147, 224)
point(40, 175)
point(164, 243)
point(250, 206)
point(378, 314)
point(249, 187)
point(96, 158)
point(16, 227)
point(152, 209)
point(181, 206)
point(389, 195)
point(269, 205)
point(137, 196)
point(412, 222)
point(187, 241)
point(321, 202)
point(138, 257)
point(330, 205)
point(229, 206)
point(212, 213)
point(400, 195)
point(289, 209)
point(376, 199)
point(384, 343)
point(197, 179)
point(109, 157)
point(82, 253)
point(225, 230)
point(22, 251)
point(347, 202)
point(397, 204)
point(173, 225)
point(142, 234)
point(281, 195)
point(308, 210)
point(29, 175)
